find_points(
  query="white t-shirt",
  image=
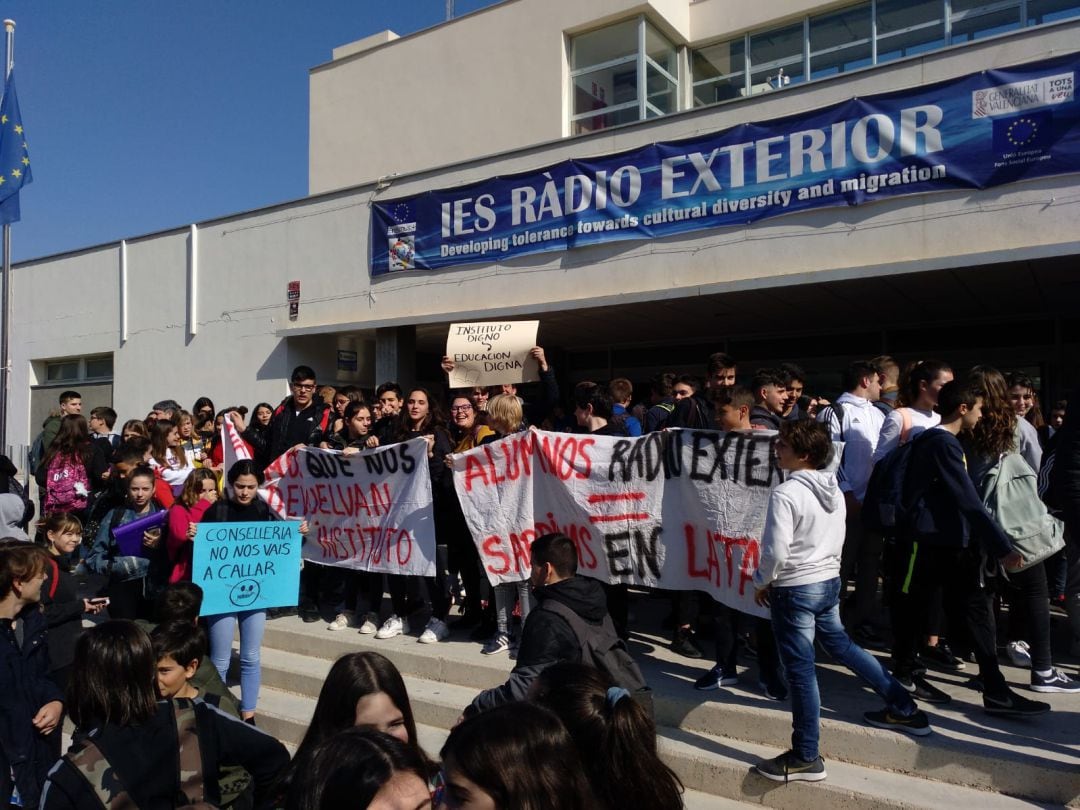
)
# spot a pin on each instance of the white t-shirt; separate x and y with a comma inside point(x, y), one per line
point(889, 439)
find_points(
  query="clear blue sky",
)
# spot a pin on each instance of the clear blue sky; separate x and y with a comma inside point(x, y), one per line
point(145, 114)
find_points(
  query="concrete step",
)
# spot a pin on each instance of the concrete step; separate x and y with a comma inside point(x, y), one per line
point(716, 771)
point(1037, 759)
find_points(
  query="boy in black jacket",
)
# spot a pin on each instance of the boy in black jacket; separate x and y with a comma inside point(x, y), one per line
point(947, 530)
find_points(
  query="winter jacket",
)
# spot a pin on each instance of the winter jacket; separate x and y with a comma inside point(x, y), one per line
point(941, 502)
point(633, 424)
point(804, 531)
point(104, 556)
point(764, 419)
point(25, 687)
point(177, 544)
point(547, 639)
point(258, 439)
point(315, 420)
point(146, 759)
point(49, 430)
point(63, 613)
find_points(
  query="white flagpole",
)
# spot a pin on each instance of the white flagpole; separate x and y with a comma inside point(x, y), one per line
point(5, 282)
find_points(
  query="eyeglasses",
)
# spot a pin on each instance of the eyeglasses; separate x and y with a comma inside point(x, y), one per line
point(461, 408)
point(303, 386)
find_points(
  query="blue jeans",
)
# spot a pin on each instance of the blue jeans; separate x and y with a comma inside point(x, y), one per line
point(222, 628)
point(798, 614)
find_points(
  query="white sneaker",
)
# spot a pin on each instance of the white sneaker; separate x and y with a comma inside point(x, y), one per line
point(436, 630)
point(393, 627)
point(369, 628)
point(340, 622)
point(498, 643)
point(1019, 653)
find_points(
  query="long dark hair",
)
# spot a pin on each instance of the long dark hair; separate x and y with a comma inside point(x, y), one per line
point(522, 756)
point(353, 677)
point(159, 443)
point(921, 371)
point(995, 433)
point(615, 738)
point(73, 440)
point(348, 769)
point(434, 421)
point(112, 677)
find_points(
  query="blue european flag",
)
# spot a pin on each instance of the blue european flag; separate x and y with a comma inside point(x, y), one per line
point(14, 157)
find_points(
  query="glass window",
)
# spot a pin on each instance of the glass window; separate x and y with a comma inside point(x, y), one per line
point(595, 48)
point(97, 367)
point(974, 19)
point(909, 27)
point(604, 69)
point(660, 50)
point(1044, 11)
point(58, 372)
point(719, 72)
point(840, 41)
point(776, 58)
point(661, 92)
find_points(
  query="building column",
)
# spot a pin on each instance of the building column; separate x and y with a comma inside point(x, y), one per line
point(395, 356)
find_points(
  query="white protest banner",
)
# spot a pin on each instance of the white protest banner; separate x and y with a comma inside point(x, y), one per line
point(678, 509)
point(492, 353)
point(233, 448)
point(369, 511)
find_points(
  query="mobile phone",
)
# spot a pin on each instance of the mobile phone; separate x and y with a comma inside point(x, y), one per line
point(99, 600)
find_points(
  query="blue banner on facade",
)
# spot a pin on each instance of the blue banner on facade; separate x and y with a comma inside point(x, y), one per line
point(982, 130)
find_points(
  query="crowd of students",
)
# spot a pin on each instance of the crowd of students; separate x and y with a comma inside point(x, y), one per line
point(918, 444)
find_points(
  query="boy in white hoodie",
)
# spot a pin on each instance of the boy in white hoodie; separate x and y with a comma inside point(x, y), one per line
point(798, 578)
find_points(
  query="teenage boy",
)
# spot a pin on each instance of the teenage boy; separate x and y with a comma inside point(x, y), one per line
point(301, 418)
point(31, 705)
point(661, 402)
point(798, 579)
point(179, 648)
point(390, 399)
point(795, 379)
point(102, 420)
point(70, 402)
point(720, 371)
point(770, 398)
point(947, 530)
point(622, 392)
point(733, 404)
point(856, 421)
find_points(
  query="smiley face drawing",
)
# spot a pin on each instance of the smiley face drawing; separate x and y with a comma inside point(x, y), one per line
point(244, 592)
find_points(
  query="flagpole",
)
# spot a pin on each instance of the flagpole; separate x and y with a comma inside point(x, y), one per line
point(5, 282)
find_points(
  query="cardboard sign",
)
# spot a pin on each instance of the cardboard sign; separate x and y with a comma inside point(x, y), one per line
point(678, 509)
point(246, 566)
point(370, 511)
point(492, 353)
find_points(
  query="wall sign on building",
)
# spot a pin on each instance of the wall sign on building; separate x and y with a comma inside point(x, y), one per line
point(978, 131)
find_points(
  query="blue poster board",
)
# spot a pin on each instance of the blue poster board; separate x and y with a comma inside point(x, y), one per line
point(247, 566)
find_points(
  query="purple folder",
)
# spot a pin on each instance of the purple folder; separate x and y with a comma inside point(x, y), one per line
point(129, 537)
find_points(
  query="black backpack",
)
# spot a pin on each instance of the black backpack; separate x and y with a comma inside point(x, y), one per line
point(602, 649)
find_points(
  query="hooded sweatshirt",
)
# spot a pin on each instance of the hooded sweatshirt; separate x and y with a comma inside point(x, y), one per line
point(804, 531)
point(12, 509)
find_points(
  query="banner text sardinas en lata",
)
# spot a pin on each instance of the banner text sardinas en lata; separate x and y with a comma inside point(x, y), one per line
point(679, 509)
point(370, 511)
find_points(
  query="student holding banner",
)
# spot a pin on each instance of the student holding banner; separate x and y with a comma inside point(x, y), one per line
point(423, 417)
point(242, 506)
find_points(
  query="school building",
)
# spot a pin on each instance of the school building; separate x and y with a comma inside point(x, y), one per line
point(204, 309)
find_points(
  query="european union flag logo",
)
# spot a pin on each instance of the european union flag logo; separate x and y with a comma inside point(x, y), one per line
point(14, 157)
point(1028, 131)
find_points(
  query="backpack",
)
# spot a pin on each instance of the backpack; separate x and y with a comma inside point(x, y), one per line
point(1010, 493)
point(101, 775)
point(15, 488)
point(602, 649)
point(884, 510)
point(67, 485)
point(36, 453)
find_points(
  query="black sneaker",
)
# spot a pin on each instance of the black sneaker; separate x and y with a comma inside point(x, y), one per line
point(942, 657)
point(922, 689)
point(310, 616)
point(789, 768)
point(866, 635)
point(1056, 681)
point(1013, 705)
point(917, 724)
point(715, 678)
point(685, 644)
